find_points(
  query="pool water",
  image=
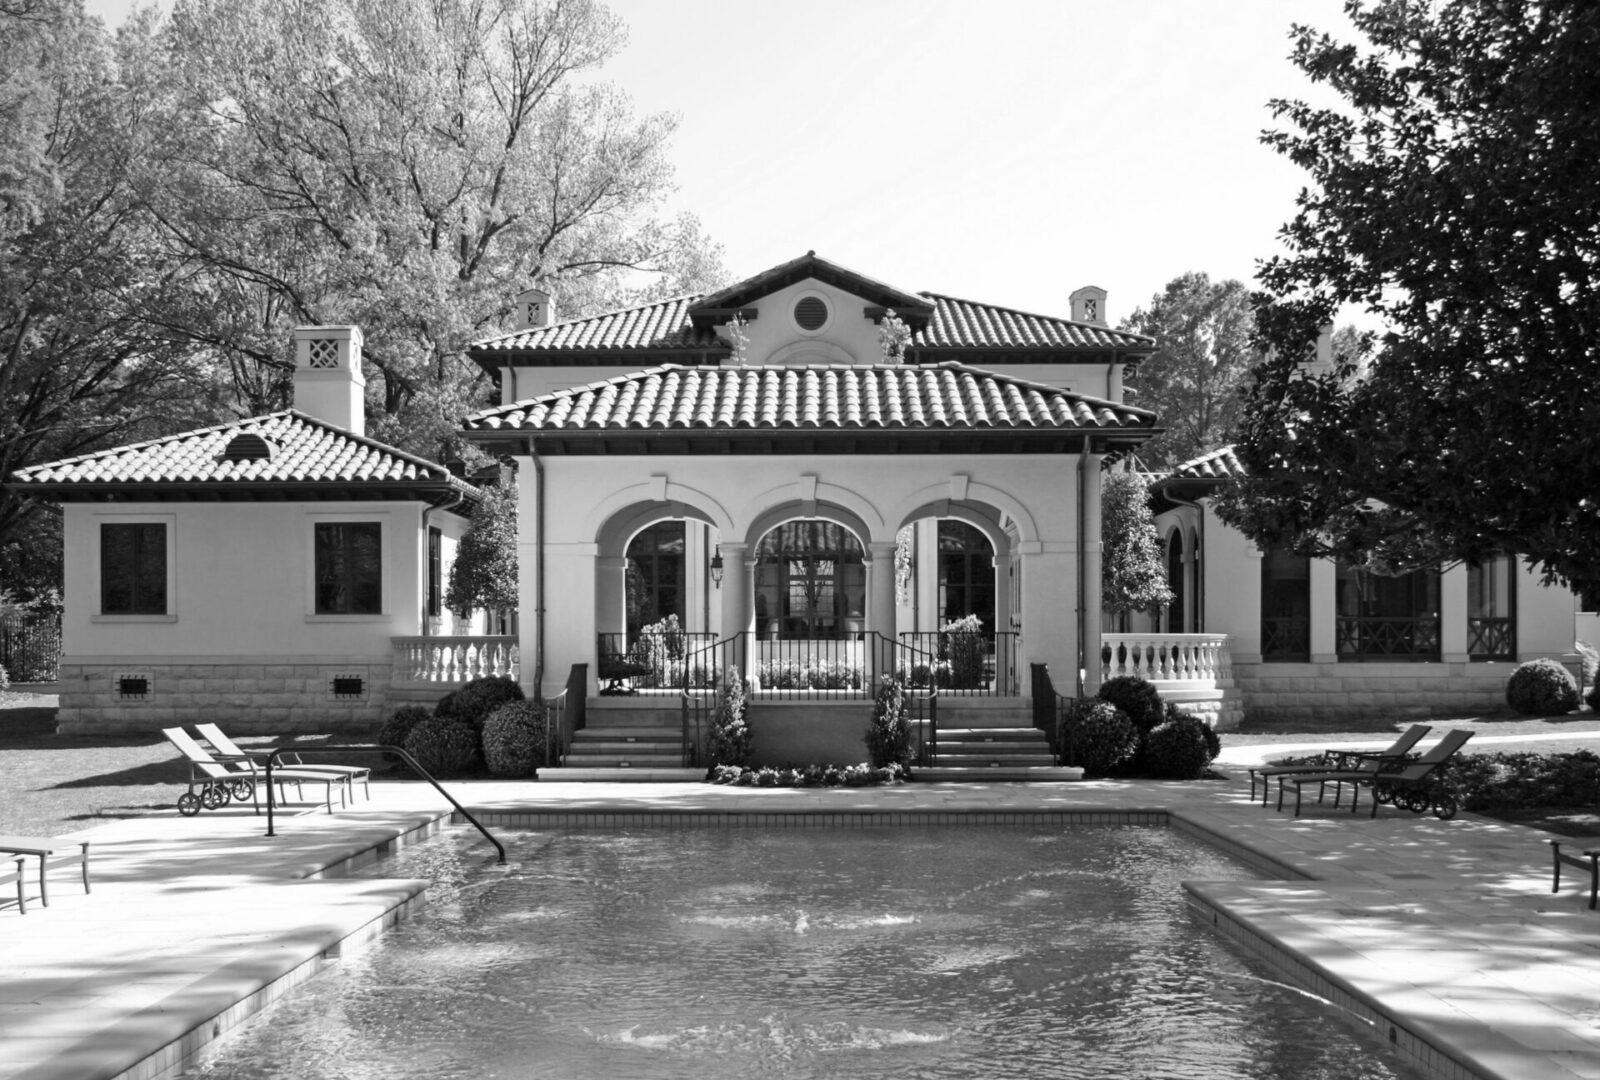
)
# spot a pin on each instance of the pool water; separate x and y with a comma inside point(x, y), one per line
point(973, 951)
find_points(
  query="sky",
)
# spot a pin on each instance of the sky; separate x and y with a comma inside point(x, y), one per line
point(1007, 152)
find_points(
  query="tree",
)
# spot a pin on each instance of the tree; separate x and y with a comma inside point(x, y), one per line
point(1204, 331)
point(1133, 574)
point(80, 365)
point(484, 574)
point(408, 166)
point(1456, 194)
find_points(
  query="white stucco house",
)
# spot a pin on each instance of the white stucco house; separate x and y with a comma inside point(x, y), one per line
point(276, 573)
point(738, 480)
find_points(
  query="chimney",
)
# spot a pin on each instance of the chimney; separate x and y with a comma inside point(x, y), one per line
point(1089, 305)
point(1322, 362)
point(535, 307)
point(328, 383)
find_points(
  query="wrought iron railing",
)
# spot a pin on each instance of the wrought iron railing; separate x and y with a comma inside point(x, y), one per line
point(1373, 637)
point(446, 661)
point(1492, 638)
point(922, 701)
point(653, 660)
point(963, 662)
point(800, 669)
point(1166, 657)
point(699, 702)
point(1286, 637)
point(1049, 712)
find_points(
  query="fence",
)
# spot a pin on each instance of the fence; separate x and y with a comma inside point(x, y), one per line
point(30, 646)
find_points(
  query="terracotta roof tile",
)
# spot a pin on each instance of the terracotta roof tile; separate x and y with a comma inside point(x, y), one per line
point(662, 325)
point(1219, 464)
point(907, 396)
point(303, 450)
point(965, 324)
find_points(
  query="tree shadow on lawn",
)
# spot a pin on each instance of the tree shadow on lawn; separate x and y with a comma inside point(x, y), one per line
point(1509, 723)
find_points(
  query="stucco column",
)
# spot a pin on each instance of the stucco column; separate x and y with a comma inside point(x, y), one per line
point(1453, 615)
point(571, 593)
point(881, 611)
point(1002, 593)
point(738, 588)
point(1324, 612)
point(1050, 611)
point(611, 594)
point(1093, 602)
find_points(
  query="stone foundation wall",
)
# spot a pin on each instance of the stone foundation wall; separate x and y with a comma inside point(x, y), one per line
point(245, 695)
point(1223, 708)
point(1334, 691)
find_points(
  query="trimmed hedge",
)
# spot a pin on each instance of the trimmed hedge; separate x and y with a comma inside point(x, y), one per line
point(1542, 687)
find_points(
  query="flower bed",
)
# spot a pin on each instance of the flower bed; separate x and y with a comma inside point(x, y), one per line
point(861, 775)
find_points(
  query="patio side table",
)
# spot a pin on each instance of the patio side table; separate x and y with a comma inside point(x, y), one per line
point(50, 852)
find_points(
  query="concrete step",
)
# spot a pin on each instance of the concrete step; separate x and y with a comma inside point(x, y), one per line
point(994, 774)
point(628, 734)
point(992, 761)
point(994, 734)
point(636, 774)
point(986, 750)
point(624, 761)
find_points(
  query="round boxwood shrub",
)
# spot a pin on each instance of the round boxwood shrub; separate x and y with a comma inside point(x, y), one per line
point(514, 738)
point(1098, 736)
point(1213, 740)
point(1542, 687)
point(1176, 750)
point(442, 746)
point(472, 704)
point(1138, 699)
point(398, 727)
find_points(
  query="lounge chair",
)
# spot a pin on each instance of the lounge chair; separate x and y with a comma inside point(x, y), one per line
point(219, 785)
point(1411, 784)
point(228, 752)
point(1338, 761)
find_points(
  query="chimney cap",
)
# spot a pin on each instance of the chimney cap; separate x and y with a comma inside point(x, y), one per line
point(534, 307)
point(1089, 305)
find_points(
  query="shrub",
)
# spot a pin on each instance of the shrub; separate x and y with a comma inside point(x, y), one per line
point(1542, 687)
point(889, 733)
point(962, 645)
point(5, 680)
point(1097, 736)
point(730, 736)
point(1176, 750)
point(514, 738)
point(472, 704)
point(1138, 699)
point(443, 746)
point(1516, 781)
point(1213, 739)
point(398, 727)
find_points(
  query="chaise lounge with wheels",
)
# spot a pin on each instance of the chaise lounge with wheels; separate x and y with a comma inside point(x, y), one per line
point(1413, 785)
point(219, 785)
point(230, 753)
point(1340, 761)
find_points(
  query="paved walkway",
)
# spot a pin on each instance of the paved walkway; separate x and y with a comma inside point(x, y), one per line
point(1444, 934)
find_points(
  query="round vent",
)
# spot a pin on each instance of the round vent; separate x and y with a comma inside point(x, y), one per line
point(811, 313)
point(247, 446)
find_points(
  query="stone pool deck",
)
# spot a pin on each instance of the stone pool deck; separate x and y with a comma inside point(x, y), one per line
point(1443, 935)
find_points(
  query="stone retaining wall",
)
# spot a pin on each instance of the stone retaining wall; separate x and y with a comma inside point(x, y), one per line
point(245, 695)
point(1335, 691)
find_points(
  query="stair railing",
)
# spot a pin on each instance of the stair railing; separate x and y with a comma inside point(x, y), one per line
point(272, 759)
point(1049, 712)
point(703, 672)
point(903, 660)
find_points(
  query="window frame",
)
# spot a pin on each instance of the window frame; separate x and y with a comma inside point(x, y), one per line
point(383, 521)
point(168, 523)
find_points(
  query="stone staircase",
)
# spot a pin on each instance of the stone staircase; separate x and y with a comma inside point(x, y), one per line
point(991, 739)
point(636, 738)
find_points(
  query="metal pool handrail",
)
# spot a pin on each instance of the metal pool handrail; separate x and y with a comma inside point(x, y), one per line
point(375, 748)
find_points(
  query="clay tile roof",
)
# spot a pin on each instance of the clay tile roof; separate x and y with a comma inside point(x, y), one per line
point(662, 325)
point(965, 324)
point(837, 396)
point(303, 450)
point(1219, 464)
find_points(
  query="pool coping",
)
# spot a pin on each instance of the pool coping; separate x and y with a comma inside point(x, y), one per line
point(1319, 866)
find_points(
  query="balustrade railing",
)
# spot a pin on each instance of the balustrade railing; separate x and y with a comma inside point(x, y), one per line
point(962, 662)
point(447, 661)
point(1166, 657)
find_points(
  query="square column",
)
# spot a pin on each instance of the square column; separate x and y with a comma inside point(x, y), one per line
point(1324, 612)
point(1453, 614)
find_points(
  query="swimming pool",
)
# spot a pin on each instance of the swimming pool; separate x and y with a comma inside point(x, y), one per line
point(941, 951)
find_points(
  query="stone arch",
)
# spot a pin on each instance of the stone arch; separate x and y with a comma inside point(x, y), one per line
point(823, 511)
point(830, 502)
point(811, 351)
point(619, 517)
point(979, 500)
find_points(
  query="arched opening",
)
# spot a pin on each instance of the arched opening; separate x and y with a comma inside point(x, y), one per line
point(1175, 581)
point(810, 582)
point(656, 582)
point(966, 574)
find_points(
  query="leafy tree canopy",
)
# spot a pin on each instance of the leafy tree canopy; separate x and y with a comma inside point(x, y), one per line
point(1204, 330)
point(484, 574)
point(1133, 573)
point(1455, 192)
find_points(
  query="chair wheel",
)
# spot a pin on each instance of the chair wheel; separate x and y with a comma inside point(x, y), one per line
point(1384, 794)
point(188, 804)
point(242, 789)
point(215, 797)
point(1445, 808)
point(1417, 802)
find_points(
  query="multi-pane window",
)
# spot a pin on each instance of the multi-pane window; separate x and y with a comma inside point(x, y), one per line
point(1387, 617)
point(966, 574)
point(1176, 582)
point(435, 572)
point(1491, 609)
point(810, 581)
point(656, 574)
point(349, 567)
point(1285, 606)
point(133, 569)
